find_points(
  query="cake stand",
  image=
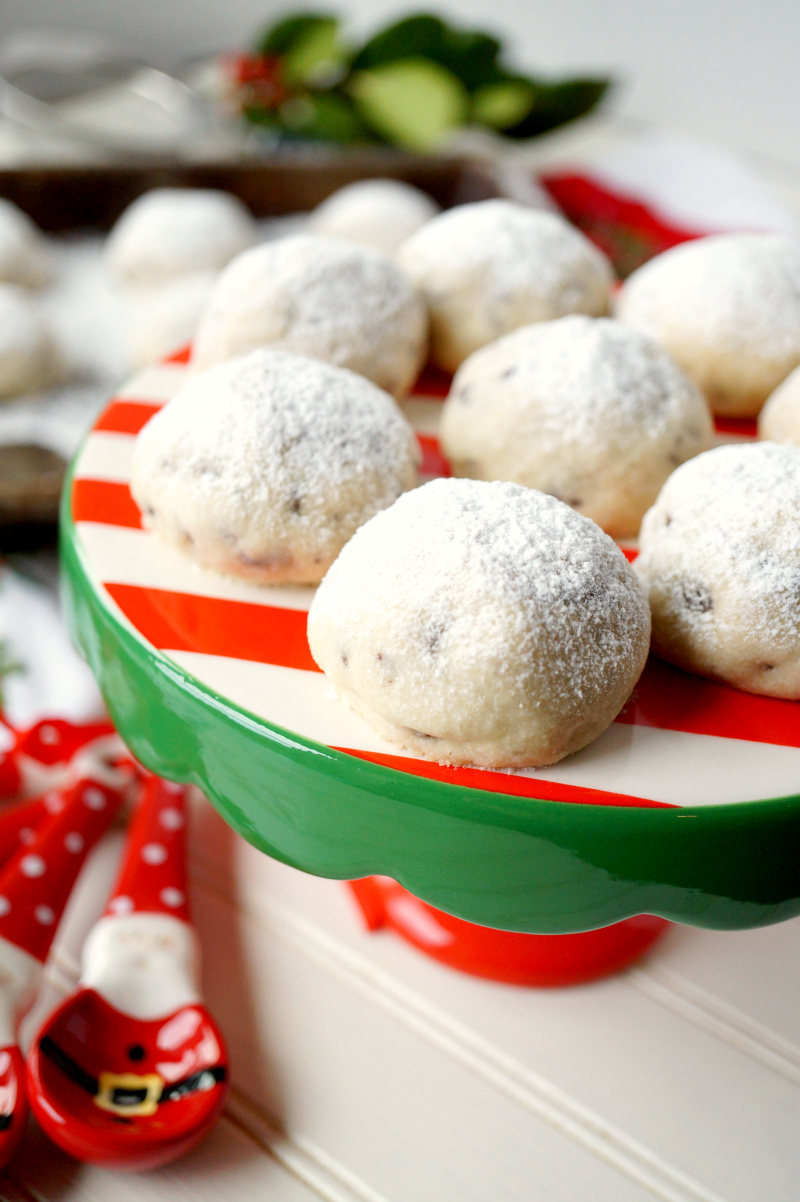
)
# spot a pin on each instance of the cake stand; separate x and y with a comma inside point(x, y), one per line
point(686, 809)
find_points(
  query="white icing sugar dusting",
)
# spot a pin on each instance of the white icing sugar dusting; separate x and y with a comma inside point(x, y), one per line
point(24, 258)
point(720, 552)
point(375, 212)
point(275, 456)
point(516, 250)
point(728, 308)
point(331, 299)
point(593, 378)
point(169, 231)
point(483, 613)
point(741, 289)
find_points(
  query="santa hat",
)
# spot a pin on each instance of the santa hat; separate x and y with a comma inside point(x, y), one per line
point(152, 878)
point(36, 882)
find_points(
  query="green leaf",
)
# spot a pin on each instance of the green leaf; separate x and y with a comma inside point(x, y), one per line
point(503, 104)
point(556, 104)
point(419, 36)
point(281, 37)
point(333, 119)
point(471, 56)
point(414, 102)
point(316, 57)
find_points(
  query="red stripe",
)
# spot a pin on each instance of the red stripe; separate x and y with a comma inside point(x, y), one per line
point(501, 782)
point(126, 417)
point(181, 356)
point(670, 699)
point(606, 217)
point(432, 381)
point(665, 697)
point(745, 427)
point(105, 501)
point(433, 461)
point(630, 553)
point(213, 626)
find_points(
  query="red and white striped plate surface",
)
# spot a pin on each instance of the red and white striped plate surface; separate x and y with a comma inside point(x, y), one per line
point(681, 740)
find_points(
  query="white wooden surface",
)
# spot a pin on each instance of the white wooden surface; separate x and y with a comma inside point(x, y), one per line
point(363, 1071)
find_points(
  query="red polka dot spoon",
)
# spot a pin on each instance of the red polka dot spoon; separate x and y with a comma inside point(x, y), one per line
point(36, 759)
point(35, 885)
point(131, 1070)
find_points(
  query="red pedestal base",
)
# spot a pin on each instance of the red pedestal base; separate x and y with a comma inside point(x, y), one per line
point(509, 956)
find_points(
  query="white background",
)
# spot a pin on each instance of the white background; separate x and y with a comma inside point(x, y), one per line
point(724, 69)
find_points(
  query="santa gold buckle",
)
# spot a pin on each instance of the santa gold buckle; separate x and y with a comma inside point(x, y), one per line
point(128, 1093)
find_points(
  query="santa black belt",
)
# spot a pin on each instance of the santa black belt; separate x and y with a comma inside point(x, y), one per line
point(202, 1080)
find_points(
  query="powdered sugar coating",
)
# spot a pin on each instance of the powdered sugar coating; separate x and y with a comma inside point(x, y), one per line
point(28, 356)
point(345, 304)
point(779, 420)
point(167, 316)
point(24, 259)
point(482, 623)
point(584, 409)
point(380, 213)
point(720, 555)
point(266, 465)
point(727, 308)
point(486, 269)
point(170, 231)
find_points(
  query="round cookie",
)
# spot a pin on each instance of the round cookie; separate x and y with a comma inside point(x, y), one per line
point(779, 420)
point(482, 623)
point(29, 360)
point(375, 212)
point(24, 258)
point(264, 466)
point(582, 408)
point(727, 308)
point(346, 304)
point(720, 556)
point(486, 269)
point(167, 317)
point(171, 231)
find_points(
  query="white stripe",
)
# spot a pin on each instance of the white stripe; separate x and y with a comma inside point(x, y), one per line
point(641, 761)
point(153, 384)
point(122, 556)
point(106, 456)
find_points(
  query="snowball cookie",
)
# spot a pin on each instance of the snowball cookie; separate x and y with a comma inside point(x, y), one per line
point(24, 258)
point(375, 212)
point(485, 624)
point(29, 360)
point(266, 465)
point(486, 269)
point(167, 317)
point(331, 299)
point(170, 231)
point(728, 309)
point(583, 408)
point(720, 555)
point(779, 420)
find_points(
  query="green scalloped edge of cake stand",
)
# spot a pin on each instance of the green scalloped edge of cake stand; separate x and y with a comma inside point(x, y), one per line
point(513, 863)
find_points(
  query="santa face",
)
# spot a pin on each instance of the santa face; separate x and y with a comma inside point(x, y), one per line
point(117, 1087)
point(144, 965)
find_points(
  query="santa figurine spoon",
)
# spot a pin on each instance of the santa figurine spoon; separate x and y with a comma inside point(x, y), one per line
point(35, 885)
point(131, 1070)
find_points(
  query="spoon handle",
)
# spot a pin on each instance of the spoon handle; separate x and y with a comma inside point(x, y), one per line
point(152, 877)
point(36, 882)
point(18, 823)
point(37, 756)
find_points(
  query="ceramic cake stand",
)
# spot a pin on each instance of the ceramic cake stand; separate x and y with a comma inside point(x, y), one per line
point(686, 808)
